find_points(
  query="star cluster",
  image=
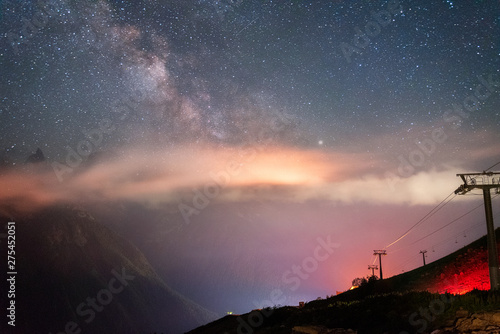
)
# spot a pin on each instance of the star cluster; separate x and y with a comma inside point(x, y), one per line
point(306, 102)
point(213, 68)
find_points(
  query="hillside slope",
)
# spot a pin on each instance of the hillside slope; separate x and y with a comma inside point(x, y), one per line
point(411, 302)
point(459, 272)
point(73, 271)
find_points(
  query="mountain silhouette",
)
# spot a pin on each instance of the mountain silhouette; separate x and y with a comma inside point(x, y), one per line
point(74, 274)
point(36, 157)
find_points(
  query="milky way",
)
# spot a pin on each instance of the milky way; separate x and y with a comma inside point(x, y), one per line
point(326, 106)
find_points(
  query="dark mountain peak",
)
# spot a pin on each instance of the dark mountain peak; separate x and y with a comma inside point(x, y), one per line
point(69, 260)
point(36, 157)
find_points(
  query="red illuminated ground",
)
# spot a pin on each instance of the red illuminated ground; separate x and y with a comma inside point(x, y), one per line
point(467, 272)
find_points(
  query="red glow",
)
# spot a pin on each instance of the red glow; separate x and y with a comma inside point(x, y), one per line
point(469, 271)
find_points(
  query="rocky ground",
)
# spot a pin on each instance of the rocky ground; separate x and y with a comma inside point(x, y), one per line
point(320, 330)
point(477, 323)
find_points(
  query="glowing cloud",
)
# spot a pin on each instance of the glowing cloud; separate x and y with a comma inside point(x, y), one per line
point(264, 173)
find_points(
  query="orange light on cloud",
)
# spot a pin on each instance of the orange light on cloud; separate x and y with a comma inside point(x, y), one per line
point(164, 175)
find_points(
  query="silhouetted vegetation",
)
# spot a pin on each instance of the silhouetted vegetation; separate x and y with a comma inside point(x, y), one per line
point(380, 313)
point(392, 305)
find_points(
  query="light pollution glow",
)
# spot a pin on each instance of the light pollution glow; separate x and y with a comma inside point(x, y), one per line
point(300, 174)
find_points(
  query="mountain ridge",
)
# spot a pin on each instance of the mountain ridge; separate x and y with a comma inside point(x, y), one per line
point(74, 270)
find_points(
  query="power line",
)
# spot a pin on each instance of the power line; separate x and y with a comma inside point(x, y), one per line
point(492, 166)
point(441, 243)
point(434, 211)
point(413, 258)
point(467, 229)
point(455, 236)
point(454, 220)
point(427, 216)
point(404, 262)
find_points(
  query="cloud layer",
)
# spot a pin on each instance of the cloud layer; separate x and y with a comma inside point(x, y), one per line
point(244, 173)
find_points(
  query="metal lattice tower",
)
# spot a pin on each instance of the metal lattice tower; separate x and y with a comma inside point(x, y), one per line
point(485, 181)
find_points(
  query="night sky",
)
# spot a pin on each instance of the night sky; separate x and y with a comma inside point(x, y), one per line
point(257, 127)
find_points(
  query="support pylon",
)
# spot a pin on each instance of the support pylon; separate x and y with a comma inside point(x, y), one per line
point(373, 267)
point(423, 255)
point(380, 252)
point(486, 181)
